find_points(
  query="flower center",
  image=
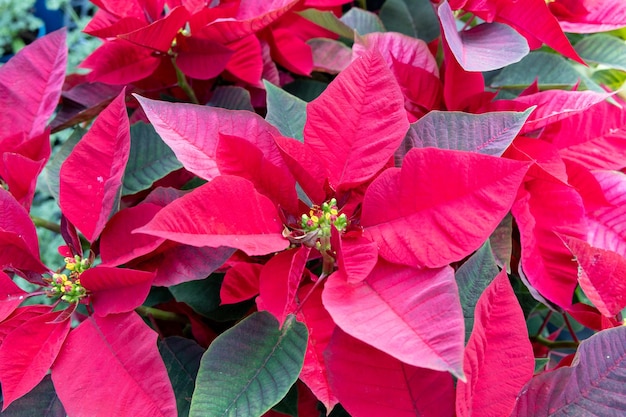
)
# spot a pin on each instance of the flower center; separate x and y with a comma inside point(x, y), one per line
point(69, 288)
point(319, 223)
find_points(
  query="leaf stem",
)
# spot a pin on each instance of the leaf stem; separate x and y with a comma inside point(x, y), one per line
point(160, 314)
point(558, 344)
point(46, 224)
point(570, 329)
point(182, 83)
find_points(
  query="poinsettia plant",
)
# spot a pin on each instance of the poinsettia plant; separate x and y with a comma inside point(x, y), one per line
point(314, 208)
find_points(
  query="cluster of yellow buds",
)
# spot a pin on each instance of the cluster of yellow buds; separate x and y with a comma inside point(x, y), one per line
point(69, 288)
point(320, 221)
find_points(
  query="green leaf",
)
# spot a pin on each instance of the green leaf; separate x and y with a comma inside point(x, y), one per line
point(52, 169)
point(328, 21)
point(150, 159)
point(182, 361)
point(285, 111)
point(540, 364)
point(603, 49)
point(231, 97)
point(363, 21)
point(614, 79)
point(472, 278)
point(551, 70)
point(42, 401)
point(289, 404)
point(307, 90)
point(501, 241)
point(415, 18)
point(201, 295)
point(249, 368)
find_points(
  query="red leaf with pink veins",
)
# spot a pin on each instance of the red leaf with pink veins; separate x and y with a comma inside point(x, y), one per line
point(121, 370)
point(144, 9)
point(358, 122)
point(607, 225)
point(247, 63)
point(321, 326)
point(30, 85)
point(240, 157)
point(200, 58)
point(543, 208)
point(356, 255)
point(440, 207)
point(192, 132)
point(159, 35)
point(499, 358)
point(279, 281)
point(91, 176)
point(593, 15)
point(601, 274)
point(555, 105)
point(27, 353)
point(116, 290)
point(253, 15)
point(290, 51)
point(396, 46)
point(120, 62)
point(369, 382)
point(11, 296)
point(411, 314)
point(227, 211)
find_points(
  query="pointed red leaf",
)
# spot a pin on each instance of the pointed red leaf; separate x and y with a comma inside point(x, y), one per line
point(583, 180)
point(15, 254)
point(543, 208)
point(241, 283)
point(16, 219)
point(607, 225)
point(598, 15)
point(238, 216)
point(369, 382)
point(358, 122)
point(440, 207)
point(200, 58)
point(91, 176)
point(461, 89)
point(590, 317)
point(401, 48)
point(547, 162)
point(321, 326)
point(160, 34)
point(30, 85)
point(356, 256)
point(279, 281)
point(116, 290)
point(555, 105)
point(411, 314)
point(121, 370)
point(253, 15)
point(20, 316)
point(240, 157)
point(27, 353)
point(247, 63)
point(119, 245)
point(193, 132)
point(485, 47)
point(290, 51)
point(601, 274)
point(20, 174)
point(498, 357)
point(11, 296)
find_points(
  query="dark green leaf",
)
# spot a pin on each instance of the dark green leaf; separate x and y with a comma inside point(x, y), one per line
point(289, 404)
point(362, 21)
point(472, 278)
point(52, 169)
point(201, 295)
point(285, 111)
point(551, 70)
point(306, 90)
point(540, 364)
point(231, 97)
point(250, 367)
point(150, 159)
point(501, 241)
point(42, 401)
point(328, 21)
point(415, 18)
point(157, 295)
point(182, 360)
point(603, 49)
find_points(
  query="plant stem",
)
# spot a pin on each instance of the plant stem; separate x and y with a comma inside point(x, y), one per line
point(160, 314)
point(46, 224)
point(182, 83)
point(571, 330)
point(558, 344)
